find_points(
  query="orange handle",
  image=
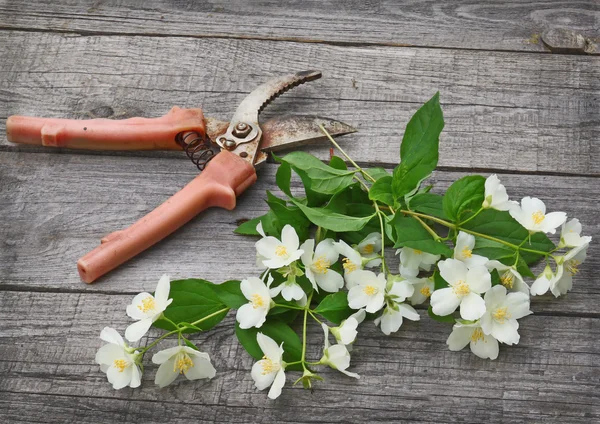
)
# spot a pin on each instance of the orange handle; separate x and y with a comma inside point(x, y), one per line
point(106, 134)
point(224, 178)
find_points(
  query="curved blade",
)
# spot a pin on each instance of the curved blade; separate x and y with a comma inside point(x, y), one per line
point(264, 94)
point(292, 131)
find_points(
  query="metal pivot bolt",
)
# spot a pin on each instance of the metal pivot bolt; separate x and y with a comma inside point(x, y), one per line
point(229, 144)
point(242, 129)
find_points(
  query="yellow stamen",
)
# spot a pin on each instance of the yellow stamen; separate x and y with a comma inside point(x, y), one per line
point(466, 252)
point(461, 288)
point(268, 366)
point(507, 280)
point(501, 315)
point(477, 335)
point(418, 252)
point(537, 217)
point(120, 364)
point(183, 363)
point(257, 301)
point(321, 265)
point(426, 291)
point(371, 290)
point(281, 251)
point(348, 265)
point(368, 249)
point(572, 266)
point(148, 304)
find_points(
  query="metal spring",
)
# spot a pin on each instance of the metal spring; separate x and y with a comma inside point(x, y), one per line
point(197, 147)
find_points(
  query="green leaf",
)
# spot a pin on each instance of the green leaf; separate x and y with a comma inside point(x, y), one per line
point(429, 204)
point(278, 331)
point(446, 318)
point(495, 277)
point(381, 190)
point(419, 148)
point(318, 176)
point(410, 232)
point(338, 163)
point(193, 299)
point(332, 220)
point(190, 344)
point(492, 249)
point(377, 173)
point(248, 228)
point(271, 226)
point(230, 294)
point(523, 269)
point(289, 215)
point(500, 225)
point(439, 282)
point(283, 178)
point(335, 307)
point(464, 197)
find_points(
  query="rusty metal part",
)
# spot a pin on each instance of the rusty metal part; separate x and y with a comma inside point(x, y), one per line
point(196, 147)
point(244, 132)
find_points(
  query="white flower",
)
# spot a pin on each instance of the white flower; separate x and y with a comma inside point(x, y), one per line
point(392, 316)
point(336, 356)
point(570, 235)
point(482, 345)
point(532, 215)
point(509, 277)
point(368, 292)
point(317, 265)
point(290, 290)
point(463, 251)
point(351, 263)
point(118, 361)
point(423, 287)
point(465, 287)
point(411, 260)
point(346, 332)
point(146, 309)
point(269, 371)
point(254, 313)
point(495, 195)
point(502, 312)
point(369, 248)
point(276, 254)
point(567, 267)
point(543, 282)
point(181, 360)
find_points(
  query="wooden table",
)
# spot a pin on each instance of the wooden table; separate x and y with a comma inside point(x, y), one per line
point(513, 106)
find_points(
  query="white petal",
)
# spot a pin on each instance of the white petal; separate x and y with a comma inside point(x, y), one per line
point(444, 301)
point(375, 303)
point(552, 221)
point(261, 381)
point(357, 298)
point(518, 305)
point(289, 238)
point(108, 353)
point(259, 229)
point(453, 271)
point(166, 373)
point(479, 279)
point(472, 307)
point(402, 289)
point(495, 296)
point(269, 347)
point(390, 321)
point(266, 246)
point(459, 338)
point(137, 330)
point(252, 286)
point(408, 272)
point(164, 355)
point(163, 287)
point(202, 368)
point(464, 242)
point(307, 257)
point(110, 335)
point(540, 286)
point(277, 385)
point(117, 378)
point(359, 315)
point(136, 377)
point(135, 309)
point(327, 249)
point(409, 312)
point(532, 204)
point(248, 316)
point(331, 281)
point(506, 332)
point(292, 292)
point(486, 348)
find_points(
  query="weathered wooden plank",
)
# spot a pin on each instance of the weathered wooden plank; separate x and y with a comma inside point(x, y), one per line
point(504, 111)
point(46, 363)
point(468, 24)
point(55, 208)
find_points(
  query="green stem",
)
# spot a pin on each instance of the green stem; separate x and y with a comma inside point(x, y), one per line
point(288, 306)
point(384, 267)
point(428, 228)
point(214, 314)
point(471, 217)
point(354, 164)
point(155, 342)
point(314, 317)
point(306, 308)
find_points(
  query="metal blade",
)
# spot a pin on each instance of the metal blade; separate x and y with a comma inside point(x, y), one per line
point(291, 131)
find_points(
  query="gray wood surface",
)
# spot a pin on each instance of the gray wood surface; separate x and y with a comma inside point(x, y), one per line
point(511, 107)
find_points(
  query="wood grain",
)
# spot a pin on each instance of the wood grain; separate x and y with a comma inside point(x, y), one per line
point(46, 359)
point(504, 111)
point(56, 208)
point(465, 24)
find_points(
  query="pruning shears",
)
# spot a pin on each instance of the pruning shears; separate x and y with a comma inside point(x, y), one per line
point(226, 153)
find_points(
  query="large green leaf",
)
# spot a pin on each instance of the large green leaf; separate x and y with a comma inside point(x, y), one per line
point(411, 233)
point(230, 294)
point(381, 190)
point(278, 331)
point(464, 197)
point(193, 299)
point(332, 220)
point(419, 148)
point(429, 204)
point(320, 177)
point(335, 307)
point(291, 215)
